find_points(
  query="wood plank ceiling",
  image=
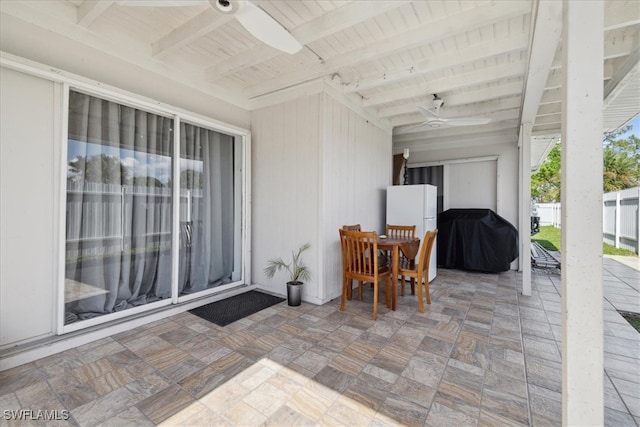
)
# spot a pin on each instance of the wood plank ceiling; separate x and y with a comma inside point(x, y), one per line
point(491, 59)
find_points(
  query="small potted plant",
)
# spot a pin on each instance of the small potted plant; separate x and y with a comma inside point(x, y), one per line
point(298, 272)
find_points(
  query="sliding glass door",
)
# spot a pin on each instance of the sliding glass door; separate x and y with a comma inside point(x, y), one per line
point(206, 209)
point(121, 191)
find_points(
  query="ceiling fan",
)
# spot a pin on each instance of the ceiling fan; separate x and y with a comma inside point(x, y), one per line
point(254, 19)
point(433, 119)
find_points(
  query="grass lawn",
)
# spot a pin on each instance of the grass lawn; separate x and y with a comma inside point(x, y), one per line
point(549, 238)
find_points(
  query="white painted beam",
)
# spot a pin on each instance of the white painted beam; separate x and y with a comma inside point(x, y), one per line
point(549, 119)
point(496, 116)
point(455, 131)
point(621, 14)
point(556, 77)
point(90, 10)
point(469, 20)
point(509, 136)
point(320, 27)
point(552, 129)
point(448, 83)
point(582, 307)
point(551, 96)
point(614, 47)
point(468, 55)
point(547, 28)
point(39, 15)
point(624, 69)
point(550, 108)
point(200, 25)
point(462, 110)
point(484, 94)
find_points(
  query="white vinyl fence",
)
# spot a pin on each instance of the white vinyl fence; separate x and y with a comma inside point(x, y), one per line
point(621, 218)
point(549, 214)
point(100, 219)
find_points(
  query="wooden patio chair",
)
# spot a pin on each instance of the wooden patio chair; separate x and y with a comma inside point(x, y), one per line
point(354, 227)
point(360, 263)
point(420, 273)
point(401, 231)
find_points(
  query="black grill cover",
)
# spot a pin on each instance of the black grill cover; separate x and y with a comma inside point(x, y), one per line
point(477, 240)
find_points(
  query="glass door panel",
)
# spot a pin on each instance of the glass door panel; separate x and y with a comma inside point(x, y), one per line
point(209, 216)
point(118, 208)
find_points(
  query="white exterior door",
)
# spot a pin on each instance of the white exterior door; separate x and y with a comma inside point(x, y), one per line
point(471, 185)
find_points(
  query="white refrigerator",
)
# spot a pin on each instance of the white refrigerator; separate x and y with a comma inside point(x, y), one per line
point(415, 204)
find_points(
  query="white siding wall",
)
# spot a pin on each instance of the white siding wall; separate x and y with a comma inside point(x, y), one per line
point(357, 163)
point(29, 205)
point(316, 166)
point(472, 185)
point(505, 181)
point(286, 189)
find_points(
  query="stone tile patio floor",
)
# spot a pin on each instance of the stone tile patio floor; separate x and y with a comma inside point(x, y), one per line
point(481, 355)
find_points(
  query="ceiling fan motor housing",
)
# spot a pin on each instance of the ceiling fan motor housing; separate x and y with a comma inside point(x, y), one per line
point(226, 6)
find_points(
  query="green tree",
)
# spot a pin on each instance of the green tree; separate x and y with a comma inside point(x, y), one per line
point(621, 161)
point(621, 167)
point(545, 183)
point(190, 178)
point(147, 181)
point(102, 168)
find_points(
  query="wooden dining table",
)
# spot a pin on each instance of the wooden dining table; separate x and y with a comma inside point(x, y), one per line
point(408, 247)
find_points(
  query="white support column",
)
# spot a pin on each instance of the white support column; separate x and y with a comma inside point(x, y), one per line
point(525, 207)
point(582, 327)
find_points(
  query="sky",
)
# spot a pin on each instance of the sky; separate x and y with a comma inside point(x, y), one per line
point(141, 164)
point(635, 130)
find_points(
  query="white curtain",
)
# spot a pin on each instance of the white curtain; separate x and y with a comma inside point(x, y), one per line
point(206, 256)
point(119, 215)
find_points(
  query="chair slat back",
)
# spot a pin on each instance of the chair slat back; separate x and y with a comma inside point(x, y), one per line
point(401, 231)
point(361, 248)
point(354, 227)
point(425, 251)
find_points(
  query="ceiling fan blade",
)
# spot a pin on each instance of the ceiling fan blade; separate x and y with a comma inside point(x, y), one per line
point(467, 121)
point(266, 29)
point(427, 113)
point(161, 3)
point(410, 128)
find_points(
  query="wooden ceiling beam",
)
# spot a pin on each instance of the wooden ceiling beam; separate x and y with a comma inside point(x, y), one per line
point(469, 20)
point(90, 10)
point(617, 16)
point(320, 27)
point(547, 29)
point(468, 55)
point(551, 108)
point(448, 83)
point(460, 133)
point(200, 25)
point(613, 48)
point(482, 107)
point(494, 115)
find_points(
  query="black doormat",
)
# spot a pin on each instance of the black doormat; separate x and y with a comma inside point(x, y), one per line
point(236, 307)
